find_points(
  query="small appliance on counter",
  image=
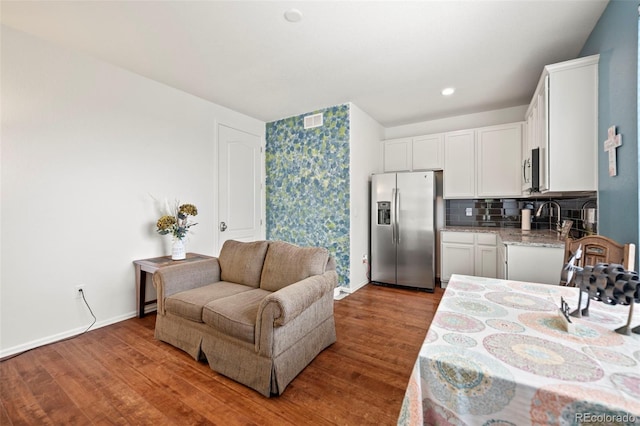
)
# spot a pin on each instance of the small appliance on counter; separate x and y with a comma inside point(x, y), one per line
point(525, 214)
point(589, 217)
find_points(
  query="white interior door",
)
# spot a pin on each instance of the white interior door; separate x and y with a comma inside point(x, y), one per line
point(240, 186)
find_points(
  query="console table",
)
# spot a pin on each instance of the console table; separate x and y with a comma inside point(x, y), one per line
point(151, 265)
point(496, 353)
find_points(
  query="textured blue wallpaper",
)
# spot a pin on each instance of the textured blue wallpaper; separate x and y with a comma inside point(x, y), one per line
point(307, 178)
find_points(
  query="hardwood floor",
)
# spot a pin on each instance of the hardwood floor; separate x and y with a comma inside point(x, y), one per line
point(120, 374)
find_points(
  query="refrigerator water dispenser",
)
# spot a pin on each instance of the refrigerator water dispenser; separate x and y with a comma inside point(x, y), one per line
point(384, 212)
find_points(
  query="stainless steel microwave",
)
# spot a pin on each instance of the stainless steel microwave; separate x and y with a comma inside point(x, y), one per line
point(535, 170)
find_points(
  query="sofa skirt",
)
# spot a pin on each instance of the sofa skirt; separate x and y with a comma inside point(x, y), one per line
point(181, 333)
point(239, 360)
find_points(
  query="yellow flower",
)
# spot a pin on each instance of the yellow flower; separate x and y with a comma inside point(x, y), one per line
point(165, 223)
point(188, 209)
point(178, 224)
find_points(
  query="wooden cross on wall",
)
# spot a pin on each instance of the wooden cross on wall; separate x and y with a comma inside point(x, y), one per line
point(610, 145)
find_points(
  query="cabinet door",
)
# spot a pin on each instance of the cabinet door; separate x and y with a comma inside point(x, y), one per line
point(542, 133)
point(498, 154)
point(486, 261)
point(459, 165)
point(427, 152)
point(397, 155)
point(573, 121)
point(456, 259)
point(528, 143)
point(502, 262)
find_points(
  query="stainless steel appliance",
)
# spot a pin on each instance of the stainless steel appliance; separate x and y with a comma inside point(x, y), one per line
point(589, 217)
point(403, 233)
point(535, 170)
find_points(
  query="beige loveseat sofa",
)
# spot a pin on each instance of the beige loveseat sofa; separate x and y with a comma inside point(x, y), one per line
point(259, 313)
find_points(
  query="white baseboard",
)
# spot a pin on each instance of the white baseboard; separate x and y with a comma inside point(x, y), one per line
point(342, 292)
point(151, 307)
point(64, 335)
point(357, 287)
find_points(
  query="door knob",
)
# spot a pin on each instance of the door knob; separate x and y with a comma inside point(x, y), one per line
point(223, 226)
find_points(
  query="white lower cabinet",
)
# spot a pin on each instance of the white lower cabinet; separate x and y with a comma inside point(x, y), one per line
point(502, 261)
point(486, 261)
point(537, 264)
point(456, 259)
point(468, 253)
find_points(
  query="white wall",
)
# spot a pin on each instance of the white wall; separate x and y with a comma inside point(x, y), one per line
point(365, 137)
point(84, 147)
point(460, 122)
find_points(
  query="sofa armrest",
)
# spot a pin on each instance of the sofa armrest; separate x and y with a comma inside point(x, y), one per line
point(185, 276)
point(283, 306)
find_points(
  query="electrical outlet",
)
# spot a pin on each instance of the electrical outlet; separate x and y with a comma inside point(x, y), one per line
point(79, 290)
point(364, 258)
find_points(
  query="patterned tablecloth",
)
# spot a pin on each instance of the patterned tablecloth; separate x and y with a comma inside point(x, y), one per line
point(496, 354)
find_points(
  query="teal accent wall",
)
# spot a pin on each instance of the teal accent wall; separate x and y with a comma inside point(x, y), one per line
point(307, 184)
point(615, 38)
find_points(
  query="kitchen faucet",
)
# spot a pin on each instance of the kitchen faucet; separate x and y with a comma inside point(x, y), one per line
point(557, 206)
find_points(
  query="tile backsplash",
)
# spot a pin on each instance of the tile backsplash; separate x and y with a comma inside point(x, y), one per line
point(505, 213)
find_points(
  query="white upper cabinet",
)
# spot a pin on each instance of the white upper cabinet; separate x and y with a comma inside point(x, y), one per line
point(459, 165)
point(562, 120)
point(416, 153)
point(397, 155)
point(529, 142)
point(483, 162)
point(428, 152)
point(498, 167)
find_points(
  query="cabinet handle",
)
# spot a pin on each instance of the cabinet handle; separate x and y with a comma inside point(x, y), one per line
point(525, 163)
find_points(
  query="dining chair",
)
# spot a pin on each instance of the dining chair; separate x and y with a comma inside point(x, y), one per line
point(598, 249)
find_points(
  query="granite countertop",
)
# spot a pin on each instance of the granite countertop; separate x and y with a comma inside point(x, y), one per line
point(515, 236)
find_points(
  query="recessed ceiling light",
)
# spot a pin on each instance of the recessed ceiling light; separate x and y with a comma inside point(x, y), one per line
point(448, 91)
point(293, 15)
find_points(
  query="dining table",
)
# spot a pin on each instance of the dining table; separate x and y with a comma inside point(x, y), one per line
point(500, 352)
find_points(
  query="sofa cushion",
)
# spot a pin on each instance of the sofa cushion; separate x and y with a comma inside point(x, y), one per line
point(242, 262)
point(235, 315)
point(287, 263)
point(188, 304)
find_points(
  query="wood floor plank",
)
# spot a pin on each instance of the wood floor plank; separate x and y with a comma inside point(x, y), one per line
point(18, 400)
point(128, 404)
point(50, 397)
point(121, 375)
point(78, 387)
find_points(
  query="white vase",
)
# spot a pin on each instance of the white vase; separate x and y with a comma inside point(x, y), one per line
point(178, 251)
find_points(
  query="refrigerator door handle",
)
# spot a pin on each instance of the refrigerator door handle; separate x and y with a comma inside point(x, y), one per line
point(397, 224)
point(393, 216)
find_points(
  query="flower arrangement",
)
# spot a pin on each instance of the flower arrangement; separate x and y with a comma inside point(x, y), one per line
point(177, 224)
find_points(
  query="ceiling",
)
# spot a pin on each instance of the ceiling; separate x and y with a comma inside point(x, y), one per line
point(390, 58)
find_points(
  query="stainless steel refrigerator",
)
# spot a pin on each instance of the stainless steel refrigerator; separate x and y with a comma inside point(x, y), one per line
point(403, 233)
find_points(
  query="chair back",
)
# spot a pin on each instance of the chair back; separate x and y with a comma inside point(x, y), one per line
point(599, 249)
